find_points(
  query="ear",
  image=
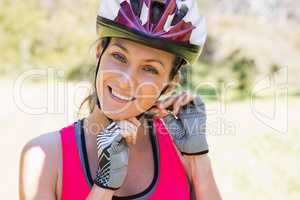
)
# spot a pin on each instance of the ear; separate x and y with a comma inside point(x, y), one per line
point(172, 85)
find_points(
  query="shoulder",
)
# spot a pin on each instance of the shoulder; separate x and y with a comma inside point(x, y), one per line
point(44, 140)
point(39, 165)
point(45, 146)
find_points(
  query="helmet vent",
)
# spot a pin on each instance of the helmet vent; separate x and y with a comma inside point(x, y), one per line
point(157, 11)
point(137, 7)
point(180, 14)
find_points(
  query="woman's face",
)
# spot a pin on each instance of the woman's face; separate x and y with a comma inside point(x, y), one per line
point(131, 77)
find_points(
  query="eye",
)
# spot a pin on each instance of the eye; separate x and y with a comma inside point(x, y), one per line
point(151, 69)
point(119, 57)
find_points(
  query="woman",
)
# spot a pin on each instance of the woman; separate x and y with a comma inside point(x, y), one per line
point(131, 145)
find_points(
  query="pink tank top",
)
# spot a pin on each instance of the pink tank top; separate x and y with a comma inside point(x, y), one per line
point(170, 180)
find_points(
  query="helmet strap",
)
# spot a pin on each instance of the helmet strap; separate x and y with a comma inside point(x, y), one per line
point(96, 73)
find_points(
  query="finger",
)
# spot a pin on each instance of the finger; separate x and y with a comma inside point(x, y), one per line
point(128, 126)
point(187, 100)
point(134, 138)
point(135, 121)
point(177, 105)
point(128, 140)
point(125, 136)
point(155, 110)
point(169, 101)
point(130, 137)
point(170, 104)
point(163, 113)
point(160, 112)
point(131, 130)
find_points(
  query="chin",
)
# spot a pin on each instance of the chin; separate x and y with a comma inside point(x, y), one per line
point(118, 114)
point(115, 117)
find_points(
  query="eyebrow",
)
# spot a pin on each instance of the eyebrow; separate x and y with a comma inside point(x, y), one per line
point(147, 60)
point(121, 47)
point(153, 60)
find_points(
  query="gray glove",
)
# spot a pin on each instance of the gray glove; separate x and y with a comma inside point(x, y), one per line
point(112, 157)
point(188, 131)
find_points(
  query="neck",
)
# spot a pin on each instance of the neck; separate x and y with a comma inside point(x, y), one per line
point(95, 122)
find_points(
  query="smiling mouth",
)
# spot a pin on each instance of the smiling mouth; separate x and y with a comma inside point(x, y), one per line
point(118, 97)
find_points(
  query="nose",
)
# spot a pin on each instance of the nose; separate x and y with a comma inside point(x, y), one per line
point(127, 79)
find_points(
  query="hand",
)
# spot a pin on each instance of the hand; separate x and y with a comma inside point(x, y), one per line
point(188, 129)
point(174, 103)
point(130, 132)
point(112, 146)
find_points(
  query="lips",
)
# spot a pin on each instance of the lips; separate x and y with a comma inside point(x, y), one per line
point(119, 97)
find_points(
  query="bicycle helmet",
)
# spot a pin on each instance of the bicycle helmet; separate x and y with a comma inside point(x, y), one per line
point(171, 25)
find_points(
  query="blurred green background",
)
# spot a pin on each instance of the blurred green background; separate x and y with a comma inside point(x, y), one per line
point(245, 39)
point(248, 41)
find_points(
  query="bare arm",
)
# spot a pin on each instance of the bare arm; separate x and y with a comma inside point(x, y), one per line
point(201, 175)
point(38, 173)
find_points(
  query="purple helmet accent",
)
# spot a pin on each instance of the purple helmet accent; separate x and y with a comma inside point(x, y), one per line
point(190, 28)
point(176, 21)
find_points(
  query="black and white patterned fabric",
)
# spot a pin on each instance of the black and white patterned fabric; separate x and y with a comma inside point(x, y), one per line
point(112, 157)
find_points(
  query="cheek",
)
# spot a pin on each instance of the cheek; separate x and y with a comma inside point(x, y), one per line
point(107, 71)
point(148, 92)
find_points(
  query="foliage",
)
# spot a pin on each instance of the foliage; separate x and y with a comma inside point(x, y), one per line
point(240, 47)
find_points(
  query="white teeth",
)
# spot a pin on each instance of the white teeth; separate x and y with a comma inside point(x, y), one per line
point(120, 96)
